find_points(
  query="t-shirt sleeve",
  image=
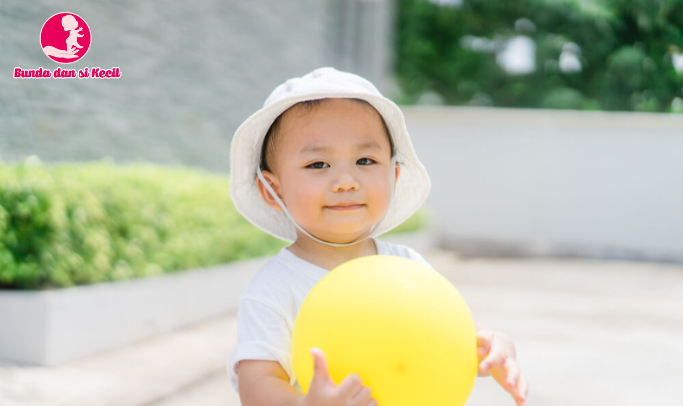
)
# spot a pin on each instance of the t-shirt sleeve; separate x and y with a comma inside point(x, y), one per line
point(263, 334)
point(414, 255)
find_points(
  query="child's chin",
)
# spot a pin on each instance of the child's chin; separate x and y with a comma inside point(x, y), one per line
point(345, 237)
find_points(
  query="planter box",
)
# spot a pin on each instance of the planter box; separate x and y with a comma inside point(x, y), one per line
point(55, 326)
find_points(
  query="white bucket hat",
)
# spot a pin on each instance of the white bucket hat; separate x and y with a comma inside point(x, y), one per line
point(413, 184)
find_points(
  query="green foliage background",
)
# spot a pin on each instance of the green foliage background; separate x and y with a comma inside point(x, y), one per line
point(76, 224)
point(626, 49)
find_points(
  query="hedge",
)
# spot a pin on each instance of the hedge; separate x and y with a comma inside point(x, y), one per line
point(77, 224)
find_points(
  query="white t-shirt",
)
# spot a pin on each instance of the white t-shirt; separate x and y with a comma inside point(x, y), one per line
point(271, 301)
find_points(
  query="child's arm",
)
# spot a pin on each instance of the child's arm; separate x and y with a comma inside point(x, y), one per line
point(265, 383)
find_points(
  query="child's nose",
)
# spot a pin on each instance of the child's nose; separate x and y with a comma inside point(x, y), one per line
point(345, 181)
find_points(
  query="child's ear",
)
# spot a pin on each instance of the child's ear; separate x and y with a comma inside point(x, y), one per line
point(265, 194)
point(398, 171)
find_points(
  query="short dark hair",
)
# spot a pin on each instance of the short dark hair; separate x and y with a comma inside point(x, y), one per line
point(268, 147)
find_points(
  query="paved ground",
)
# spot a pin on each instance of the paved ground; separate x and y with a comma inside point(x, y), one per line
point(587, 333)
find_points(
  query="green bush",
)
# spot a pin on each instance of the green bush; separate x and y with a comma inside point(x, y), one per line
point(77, 224)
point(626, 50)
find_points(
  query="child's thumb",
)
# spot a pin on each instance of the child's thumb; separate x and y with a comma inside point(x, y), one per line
point(320, 373)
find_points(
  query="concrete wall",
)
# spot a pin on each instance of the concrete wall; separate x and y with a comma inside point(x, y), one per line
point(191, 73)
point(534, 182)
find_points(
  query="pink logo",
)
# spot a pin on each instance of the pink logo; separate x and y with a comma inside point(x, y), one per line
point(65, 37)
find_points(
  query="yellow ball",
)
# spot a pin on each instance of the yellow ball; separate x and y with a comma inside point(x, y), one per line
point(398, 324)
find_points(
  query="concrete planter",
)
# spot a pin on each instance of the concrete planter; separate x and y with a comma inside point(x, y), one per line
point(56, 326)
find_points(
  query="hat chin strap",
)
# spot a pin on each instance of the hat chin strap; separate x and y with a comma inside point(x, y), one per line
point(372, 229)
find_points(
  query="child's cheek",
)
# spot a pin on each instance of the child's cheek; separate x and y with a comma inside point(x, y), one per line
point(309, 196)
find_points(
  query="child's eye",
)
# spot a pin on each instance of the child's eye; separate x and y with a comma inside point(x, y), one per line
point(314, 165)
point(317, 165)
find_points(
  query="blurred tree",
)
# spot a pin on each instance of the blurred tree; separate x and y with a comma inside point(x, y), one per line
point(576, 54)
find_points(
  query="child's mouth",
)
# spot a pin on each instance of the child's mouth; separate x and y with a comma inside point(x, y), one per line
point(351, 207)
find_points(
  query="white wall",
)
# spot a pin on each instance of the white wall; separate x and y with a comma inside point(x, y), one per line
point(544, 182)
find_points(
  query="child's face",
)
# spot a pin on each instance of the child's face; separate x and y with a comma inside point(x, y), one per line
point(353, 166)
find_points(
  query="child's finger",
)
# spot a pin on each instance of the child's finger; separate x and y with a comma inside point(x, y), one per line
point(484, 336)
point(494, 359)
point(513, 382)
point(512, 375)
point(523, 387)
point(320, 373)
point(484, 339)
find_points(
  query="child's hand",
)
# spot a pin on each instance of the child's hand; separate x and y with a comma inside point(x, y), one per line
point(323, 391)
point(499, 358)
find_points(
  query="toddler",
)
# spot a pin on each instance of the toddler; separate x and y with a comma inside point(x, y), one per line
point(326, 164)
